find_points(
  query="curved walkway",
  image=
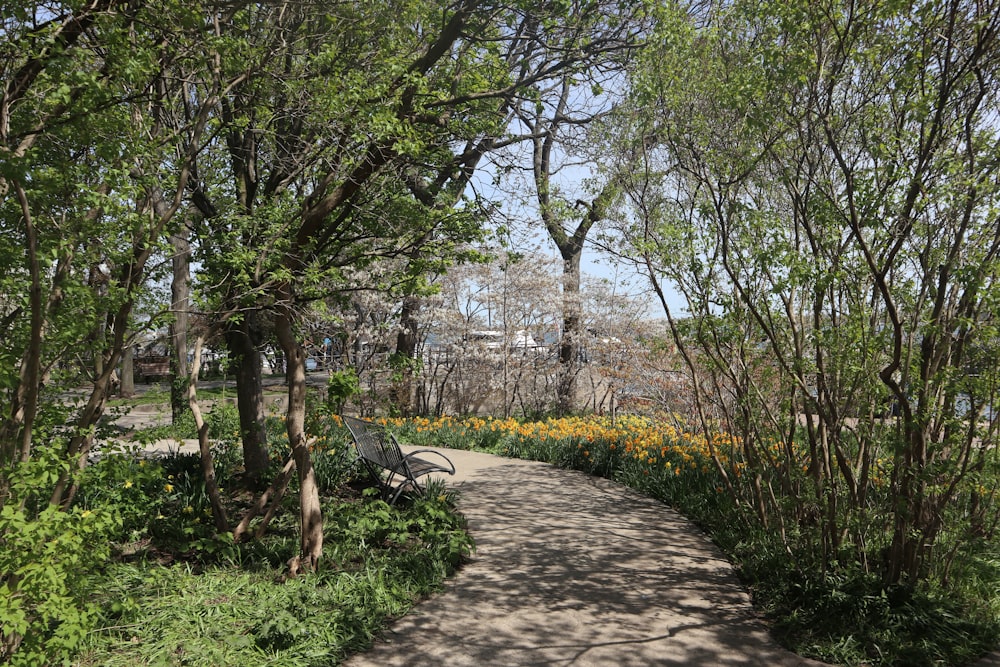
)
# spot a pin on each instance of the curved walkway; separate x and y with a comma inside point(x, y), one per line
point(575, 570)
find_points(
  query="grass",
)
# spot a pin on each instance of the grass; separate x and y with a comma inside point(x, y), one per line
point(158, 393)
point(178, 595)
point(244, 612)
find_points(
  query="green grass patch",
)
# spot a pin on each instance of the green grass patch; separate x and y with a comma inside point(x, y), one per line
point(158, 393)
point(242, 610)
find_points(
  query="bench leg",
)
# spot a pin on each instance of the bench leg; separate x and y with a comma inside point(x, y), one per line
point(399, 490)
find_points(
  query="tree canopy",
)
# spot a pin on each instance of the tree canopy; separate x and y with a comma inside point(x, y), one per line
point(309, 150)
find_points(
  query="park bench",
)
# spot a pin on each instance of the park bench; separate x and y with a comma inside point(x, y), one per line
point(152, 366)
point(394, 471)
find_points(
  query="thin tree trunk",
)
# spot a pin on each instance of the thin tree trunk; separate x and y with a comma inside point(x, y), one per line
point(31, 368)
point(311, 516)
point(180, 303)
point(277, 490)
point(207, 464)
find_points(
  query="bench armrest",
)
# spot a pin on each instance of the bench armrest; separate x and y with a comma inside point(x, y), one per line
point(451, 466)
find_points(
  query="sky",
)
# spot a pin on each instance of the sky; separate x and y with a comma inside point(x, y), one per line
point(517, 212)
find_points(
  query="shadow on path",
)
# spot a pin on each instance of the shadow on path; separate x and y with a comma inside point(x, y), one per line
point(575, 570)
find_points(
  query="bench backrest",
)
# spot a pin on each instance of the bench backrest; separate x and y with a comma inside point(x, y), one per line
point(374, 443)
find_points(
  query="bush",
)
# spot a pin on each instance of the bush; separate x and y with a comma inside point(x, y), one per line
point(341, 387)
point(223, 425)
point(47, 560)
point(162, 500)
point(132, 487)
point(223, 422)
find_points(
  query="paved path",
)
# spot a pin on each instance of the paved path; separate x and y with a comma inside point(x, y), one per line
point(571, 570)
point(575, 570)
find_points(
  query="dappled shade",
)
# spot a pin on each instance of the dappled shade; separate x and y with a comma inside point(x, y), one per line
point(572, 569)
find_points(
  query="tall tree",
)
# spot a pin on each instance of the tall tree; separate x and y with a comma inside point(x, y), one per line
point(77, 197)
point(342, 150)
point(86, 200)
point(559, 115)
point(38, 48)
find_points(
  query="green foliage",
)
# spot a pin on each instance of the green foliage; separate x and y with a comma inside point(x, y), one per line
point(160, 500)
point(457, 434)
point(838, 265)
point(849, 617)
point(382, 560)
point(223, 421)
point(341, 386)
point(428, 531)
point(334, 466)
point(183, 523)
point(125, 483)
point(332, 453)
point(47, 559)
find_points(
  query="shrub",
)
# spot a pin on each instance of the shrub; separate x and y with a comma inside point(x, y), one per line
point(47, 559)
point(124, 483)
point(341, 387)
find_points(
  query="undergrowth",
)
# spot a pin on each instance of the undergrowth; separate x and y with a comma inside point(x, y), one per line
point(240, 608)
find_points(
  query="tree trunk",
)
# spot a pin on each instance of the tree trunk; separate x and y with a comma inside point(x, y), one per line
point(406, 351)
point(180, 292)
point(127, 387)
point(80, 444)
point(249, 400)
point(569, 343)
point(273, 494)
point(207, 463)
point(31, 365)
point(311, 516)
